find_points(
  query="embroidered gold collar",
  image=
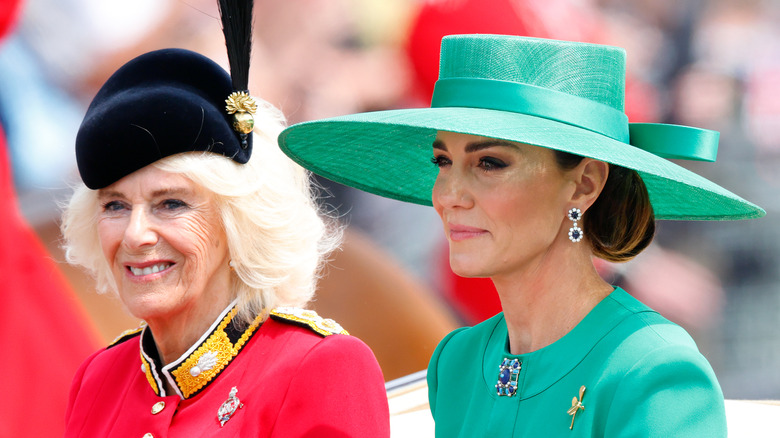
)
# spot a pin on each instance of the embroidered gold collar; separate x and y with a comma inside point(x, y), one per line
point(203, 362)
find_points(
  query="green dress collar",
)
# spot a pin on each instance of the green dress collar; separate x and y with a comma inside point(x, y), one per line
point(542, 368)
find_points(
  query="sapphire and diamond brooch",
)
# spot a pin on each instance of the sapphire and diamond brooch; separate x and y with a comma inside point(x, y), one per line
point(508, 372)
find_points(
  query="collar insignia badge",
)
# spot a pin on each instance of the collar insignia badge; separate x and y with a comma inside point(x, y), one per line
point(576, 405)
point(508, 372)
point(229, 407)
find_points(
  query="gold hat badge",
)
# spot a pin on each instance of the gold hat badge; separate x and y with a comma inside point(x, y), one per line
point(243, 108)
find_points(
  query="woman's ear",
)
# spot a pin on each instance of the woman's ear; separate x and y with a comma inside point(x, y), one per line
point(589, 177)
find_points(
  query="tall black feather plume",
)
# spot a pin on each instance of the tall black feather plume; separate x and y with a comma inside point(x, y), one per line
point(236, 16)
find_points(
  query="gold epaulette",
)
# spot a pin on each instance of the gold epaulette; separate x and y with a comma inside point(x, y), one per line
point(126, 335)
point(309, 319)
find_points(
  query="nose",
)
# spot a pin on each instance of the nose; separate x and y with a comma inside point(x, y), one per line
point(139, 231)
point(451, 191)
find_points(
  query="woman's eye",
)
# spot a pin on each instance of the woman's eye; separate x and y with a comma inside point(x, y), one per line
point(440, 161)
point(490, 163)
point(113, 206)
point(173, 204)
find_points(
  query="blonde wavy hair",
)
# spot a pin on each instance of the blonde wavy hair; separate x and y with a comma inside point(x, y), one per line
point(277, 236)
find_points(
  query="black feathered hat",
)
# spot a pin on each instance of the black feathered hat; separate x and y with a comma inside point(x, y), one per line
point(170, 101)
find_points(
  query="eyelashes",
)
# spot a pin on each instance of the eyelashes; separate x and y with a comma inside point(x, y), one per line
point(440, 161)
point(165, 206)
point(112, 206)
point(173, 204)
point(490, 163)
point(485, 163)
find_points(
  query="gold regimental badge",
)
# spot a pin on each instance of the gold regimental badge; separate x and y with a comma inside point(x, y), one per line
point(243, 108)
point(576, 405)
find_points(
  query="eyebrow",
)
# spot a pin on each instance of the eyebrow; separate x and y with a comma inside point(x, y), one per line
point(170, 192)
point(103, 193)
point(477, 145)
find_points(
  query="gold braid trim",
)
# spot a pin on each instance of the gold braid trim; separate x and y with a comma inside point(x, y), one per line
point(149, 376)
point(127, 334)
point(310, 319)
point(220, 352)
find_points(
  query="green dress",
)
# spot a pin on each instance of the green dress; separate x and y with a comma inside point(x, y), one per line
point(642, 375)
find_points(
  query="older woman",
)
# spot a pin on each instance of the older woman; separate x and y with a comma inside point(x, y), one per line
point(216, 253)
point(538, 171)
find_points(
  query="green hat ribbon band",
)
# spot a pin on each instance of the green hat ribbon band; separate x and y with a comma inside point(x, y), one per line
point(533, 101)
point(675, 141)
point(667, 141)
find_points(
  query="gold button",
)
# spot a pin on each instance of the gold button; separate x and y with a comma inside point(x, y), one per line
point(148, 435)
point(156, 409)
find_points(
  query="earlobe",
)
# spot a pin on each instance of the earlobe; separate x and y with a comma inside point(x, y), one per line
point(590, 179)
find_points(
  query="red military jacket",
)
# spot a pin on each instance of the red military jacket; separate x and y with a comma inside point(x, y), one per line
point(292, 375)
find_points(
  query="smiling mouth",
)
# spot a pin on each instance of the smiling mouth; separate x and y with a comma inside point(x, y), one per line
point(150, 269)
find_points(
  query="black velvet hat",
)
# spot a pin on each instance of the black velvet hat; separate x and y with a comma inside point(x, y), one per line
point(167, 102)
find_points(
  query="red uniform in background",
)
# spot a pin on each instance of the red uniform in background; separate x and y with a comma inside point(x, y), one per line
point(9, 11)
point(45, 333)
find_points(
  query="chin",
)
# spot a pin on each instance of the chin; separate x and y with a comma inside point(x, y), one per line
point(468, 268)
point(145, 305)
point(142, 310)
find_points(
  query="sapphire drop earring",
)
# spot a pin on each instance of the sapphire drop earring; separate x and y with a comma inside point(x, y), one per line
point(575, 232)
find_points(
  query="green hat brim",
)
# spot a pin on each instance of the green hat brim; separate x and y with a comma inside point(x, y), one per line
point(389, 153)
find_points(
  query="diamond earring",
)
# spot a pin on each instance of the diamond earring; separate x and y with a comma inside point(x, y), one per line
point(575, 232)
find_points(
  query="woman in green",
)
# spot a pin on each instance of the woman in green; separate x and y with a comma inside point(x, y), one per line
point(537, 170)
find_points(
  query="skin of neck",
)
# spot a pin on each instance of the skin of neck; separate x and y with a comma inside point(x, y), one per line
point(175, 334)
point(550, 296)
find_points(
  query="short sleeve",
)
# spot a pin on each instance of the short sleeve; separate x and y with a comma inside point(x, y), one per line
point(337, 391)
point(672, 391)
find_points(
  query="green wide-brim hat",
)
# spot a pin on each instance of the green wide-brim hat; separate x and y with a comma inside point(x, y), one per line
point(560, 95)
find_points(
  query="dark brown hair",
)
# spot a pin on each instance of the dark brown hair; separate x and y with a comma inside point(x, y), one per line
point(621, 223)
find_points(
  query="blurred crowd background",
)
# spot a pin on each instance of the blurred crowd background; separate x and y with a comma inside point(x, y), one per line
point(708, 63)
